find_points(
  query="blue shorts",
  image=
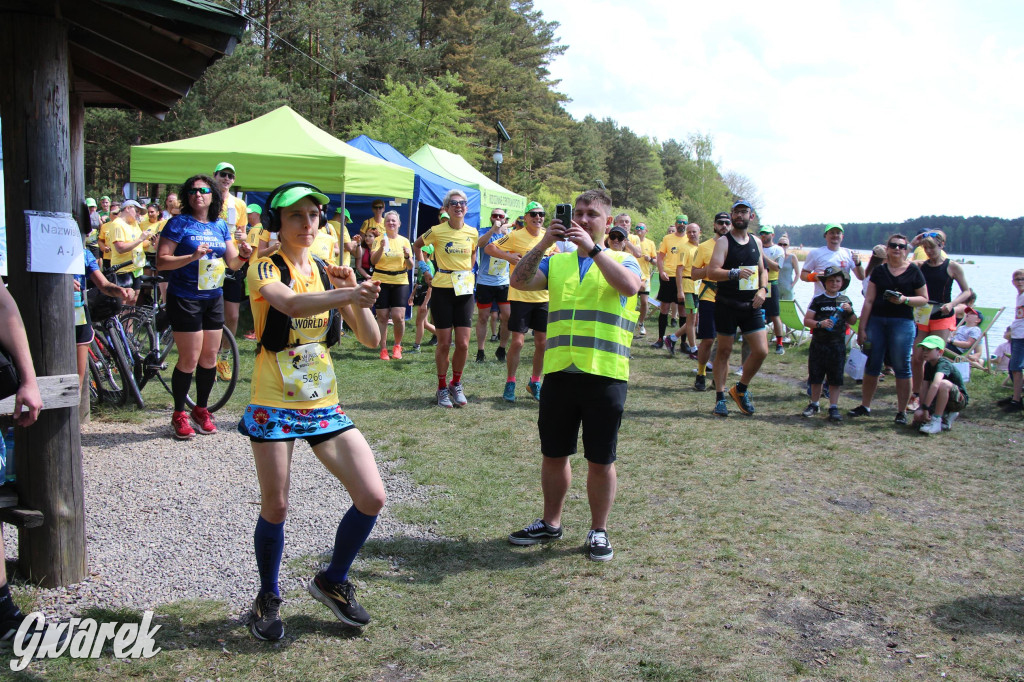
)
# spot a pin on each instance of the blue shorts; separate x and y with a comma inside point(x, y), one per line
point(892, 338)
point(261, 423)
point(1016, 355)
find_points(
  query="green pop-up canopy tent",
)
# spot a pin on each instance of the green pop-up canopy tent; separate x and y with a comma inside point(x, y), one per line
point(454, 167)
point(275, 148)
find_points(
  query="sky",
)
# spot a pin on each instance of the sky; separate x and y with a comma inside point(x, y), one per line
point(867, 111)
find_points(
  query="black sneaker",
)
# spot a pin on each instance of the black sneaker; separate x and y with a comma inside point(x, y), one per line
point(671, 345)
point(50, 638)
point(860, 411)
point(1003, 402)
point(433, 340)
point(901, 418)
point(811, 410)
point(1013, 406)
point(700, 383)
point(660, 343)
point(494, 338)
point(834, 415)
point(598, 547)
point(499, 353)
point(480, 355)
point(265, 617)
point(538, 531)
point(340, 598)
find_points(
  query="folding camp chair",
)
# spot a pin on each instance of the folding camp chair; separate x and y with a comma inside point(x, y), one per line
point(990, 315)
point(793, 317)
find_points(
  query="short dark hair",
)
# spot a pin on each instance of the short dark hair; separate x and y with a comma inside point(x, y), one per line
point(595, 196)
point(216, 201)
point(897, 235)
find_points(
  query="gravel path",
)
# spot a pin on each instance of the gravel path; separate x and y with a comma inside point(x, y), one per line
point(167, 520)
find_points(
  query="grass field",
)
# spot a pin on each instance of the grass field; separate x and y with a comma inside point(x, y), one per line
point(761, 548)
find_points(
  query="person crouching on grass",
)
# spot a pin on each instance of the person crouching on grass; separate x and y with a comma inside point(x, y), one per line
point(827, 316)
point(943, 395)
point(295, 395)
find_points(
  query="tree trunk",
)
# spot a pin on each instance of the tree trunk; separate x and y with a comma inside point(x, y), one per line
point(39, 176)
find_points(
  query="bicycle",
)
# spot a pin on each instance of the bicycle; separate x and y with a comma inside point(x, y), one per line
point(106, 385)
point(110, 337)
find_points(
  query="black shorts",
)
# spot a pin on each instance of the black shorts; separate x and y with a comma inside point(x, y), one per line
point(826, 362)
point(525, 315)
point(771, 304)
point(569, 399)
point(706, 320)
point(195, 314)
point(487, 294)
point(420, 295)
point(450, 310)
point(392, 296)
point(234, 285)
point(84, 333)
point(126, 280)
point(313, 440)
point(667, 292)
point(729, 317)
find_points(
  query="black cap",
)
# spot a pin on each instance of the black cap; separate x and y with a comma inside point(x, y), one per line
point(723, 215)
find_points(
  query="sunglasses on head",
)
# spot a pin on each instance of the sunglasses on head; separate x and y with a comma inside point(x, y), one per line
point(226, 174)
point(536, 214)
point(894, 245)
point(456, 202)
point(199, 190)
point(615, 237)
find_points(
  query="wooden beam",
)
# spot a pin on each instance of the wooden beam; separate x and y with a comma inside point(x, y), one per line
point(34, 97)
point(57, 391)
point(131, 99)
point(99, 50)
point(128, 79)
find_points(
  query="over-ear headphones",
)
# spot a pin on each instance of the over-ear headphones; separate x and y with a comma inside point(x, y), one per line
point(272, 215)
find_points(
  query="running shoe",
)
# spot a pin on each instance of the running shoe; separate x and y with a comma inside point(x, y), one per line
point(742, 400)
point(224, 369)
point(396, 352)
point(494, 338)
point(933, 425)
point(721, 408)
point(598, 547)
point(834, 415)
point(458, 397)
point(779, 350)
point(534, 387)
point(948, 419)
point(692, 353)
point(811, 410)
point(51, 637)
point(1003, 402)
point(182, 428)
point(660, 343)
point(860, 411)
point(251, 336)
point(914, 403)
point(499, 353)
point(203, 420)
point(384, 354)
point(1013, 406)
point(671, 345)
point(642, 330)
point(901, 419)
point(265, 617)
point(443, 399)
point(480, 355)
point(340, 598)
point(510, 391)
point(415, 348)
point(433, 340)
point(700, 383)
point(538, 531)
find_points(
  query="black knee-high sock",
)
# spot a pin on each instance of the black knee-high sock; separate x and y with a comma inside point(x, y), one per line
point(204, 384)
point(662, 324)
point(180, 383)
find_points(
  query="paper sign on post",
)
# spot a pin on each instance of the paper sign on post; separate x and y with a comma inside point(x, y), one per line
point(54, 243)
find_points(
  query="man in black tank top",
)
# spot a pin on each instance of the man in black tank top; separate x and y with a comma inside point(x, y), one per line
point(738, 267)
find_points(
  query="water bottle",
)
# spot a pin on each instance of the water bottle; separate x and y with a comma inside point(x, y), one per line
point(837, 319)
point(9, 472)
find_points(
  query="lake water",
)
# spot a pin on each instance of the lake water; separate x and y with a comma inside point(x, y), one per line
point(989, 276)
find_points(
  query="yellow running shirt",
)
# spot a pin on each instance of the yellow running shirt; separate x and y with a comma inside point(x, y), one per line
point(267, 377)
point(672, 248)
point(648, 250)
point(521, 241)
point(701, 260)
point(453, 250)
point(392, 260)
point(120, 231)
point(323, 246)
point(686, 260)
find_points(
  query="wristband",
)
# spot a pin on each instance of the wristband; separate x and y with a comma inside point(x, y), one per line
point(734, 273)
point(594, 251)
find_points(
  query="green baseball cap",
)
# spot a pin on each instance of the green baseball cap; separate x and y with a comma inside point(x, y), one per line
point(933, 341)
point(444, 215)
point(682, 219)
point(832, 226)
point(766, 229)
point(532, 205)
point(348, 218)
point(224, 165)
point(254, 208)
point(104, 198)
point(91, 203)
point(296, 194)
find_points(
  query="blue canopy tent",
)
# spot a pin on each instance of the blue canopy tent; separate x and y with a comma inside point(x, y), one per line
point(429, 189)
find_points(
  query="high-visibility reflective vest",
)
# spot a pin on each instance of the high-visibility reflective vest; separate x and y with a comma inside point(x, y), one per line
point(589, 325)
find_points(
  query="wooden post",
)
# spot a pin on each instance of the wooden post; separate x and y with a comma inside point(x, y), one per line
point(76, 115)
point(34, 97)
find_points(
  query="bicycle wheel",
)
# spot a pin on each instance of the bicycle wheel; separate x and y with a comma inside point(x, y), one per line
point(118, 340)
point(110, 385)
point(222, 388)
point(142, 337)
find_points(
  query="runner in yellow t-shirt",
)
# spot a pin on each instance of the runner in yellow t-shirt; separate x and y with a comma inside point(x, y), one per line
point(104, 233)
point(392, 261)
point(126, 238)
point(648, 256)
point(376, 220)
point(451, 300)
point(235, 215)
point(669, 253)
point(706, 332)
point(685, 294)
point(527, 309)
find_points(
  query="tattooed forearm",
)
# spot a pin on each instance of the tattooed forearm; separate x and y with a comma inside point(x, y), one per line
point(526, 269)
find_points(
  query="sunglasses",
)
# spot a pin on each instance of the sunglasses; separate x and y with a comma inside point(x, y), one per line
point(455, 203)
point(894, 245)
point(198, 190)
point(496, 215)
point(376, 207)
point(615, 237)
point(723, 222)
point(226, 174)
point(536, 214)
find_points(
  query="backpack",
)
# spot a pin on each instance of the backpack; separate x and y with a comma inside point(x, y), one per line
point(278, 325)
